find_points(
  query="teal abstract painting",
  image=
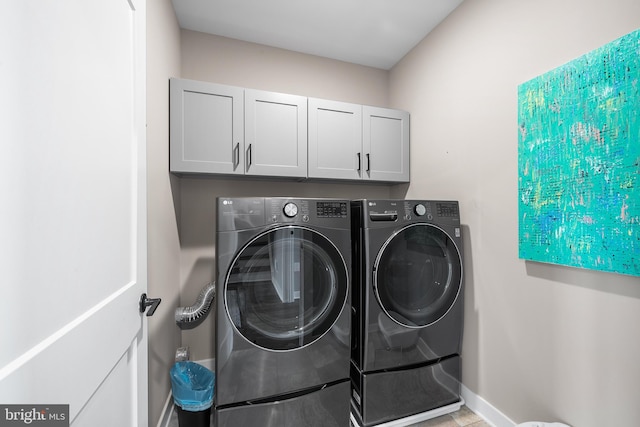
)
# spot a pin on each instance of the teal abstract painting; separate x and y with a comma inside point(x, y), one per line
point(579, 161)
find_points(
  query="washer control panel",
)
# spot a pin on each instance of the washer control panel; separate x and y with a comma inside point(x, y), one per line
point(412, 210)
point(417, 210)
point(447, 209)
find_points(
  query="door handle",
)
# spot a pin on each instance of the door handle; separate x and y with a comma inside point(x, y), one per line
point(236, 155)
point(359, 162)
point(149, 302)
point(248, 157)
point(368, 163)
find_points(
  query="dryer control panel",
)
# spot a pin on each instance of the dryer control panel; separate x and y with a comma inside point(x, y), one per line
point(306, 209)
point(288, 210)
point(312, 211)
point(237, 213)
point(332, 209)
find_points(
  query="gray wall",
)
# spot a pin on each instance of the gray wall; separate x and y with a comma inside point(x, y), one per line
point(163, 61)
point(541, 341)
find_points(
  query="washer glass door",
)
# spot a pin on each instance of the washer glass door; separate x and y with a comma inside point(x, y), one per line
point(418, 275)
point(286, 288)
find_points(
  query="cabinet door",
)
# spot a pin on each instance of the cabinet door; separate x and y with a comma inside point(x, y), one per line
point(335, 139)
point(206, 121)
point(275, 134)
point(385, 137)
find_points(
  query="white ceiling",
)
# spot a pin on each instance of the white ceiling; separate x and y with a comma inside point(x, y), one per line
point(375, 33)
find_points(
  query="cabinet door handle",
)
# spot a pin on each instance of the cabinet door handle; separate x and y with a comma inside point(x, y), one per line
point(368, 163)
point(248, 156)
point(236, 155)
point(359, 163)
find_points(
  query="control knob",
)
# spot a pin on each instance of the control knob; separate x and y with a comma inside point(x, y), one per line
point(420, 209)
point(290, 210)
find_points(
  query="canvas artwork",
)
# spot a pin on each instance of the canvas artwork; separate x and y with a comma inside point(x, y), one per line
point(579, 161)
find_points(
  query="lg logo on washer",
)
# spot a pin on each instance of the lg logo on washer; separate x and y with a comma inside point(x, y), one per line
point(373, 203)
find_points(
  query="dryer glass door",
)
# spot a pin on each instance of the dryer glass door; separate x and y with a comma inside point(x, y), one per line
point(286, 288)
point(418, 275)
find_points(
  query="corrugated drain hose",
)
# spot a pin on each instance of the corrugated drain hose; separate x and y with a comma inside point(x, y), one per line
point(190, 317)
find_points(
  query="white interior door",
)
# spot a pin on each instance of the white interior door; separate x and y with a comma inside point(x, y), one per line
point(73, 209)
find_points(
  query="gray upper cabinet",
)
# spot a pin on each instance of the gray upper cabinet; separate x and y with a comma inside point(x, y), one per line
point(230, 130)
point(335, 139)
point(206, 128)
point(275, 134)
point(220, 129)
point(385, 141)
point(351, 141)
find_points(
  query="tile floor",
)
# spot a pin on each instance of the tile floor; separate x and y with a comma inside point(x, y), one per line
point(461, 418)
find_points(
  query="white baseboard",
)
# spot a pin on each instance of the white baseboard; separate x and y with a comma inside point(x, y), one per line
point(166, 412)
point(486, 410)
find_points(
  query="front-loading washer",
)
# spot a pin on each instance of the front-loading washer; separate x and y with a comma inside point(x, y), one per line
point(407, 308)
point(283, 312)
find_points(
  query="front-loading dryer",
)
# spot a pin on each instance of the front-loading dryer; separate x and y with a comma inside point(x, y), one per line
point(407, 308)
point(283, 312)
